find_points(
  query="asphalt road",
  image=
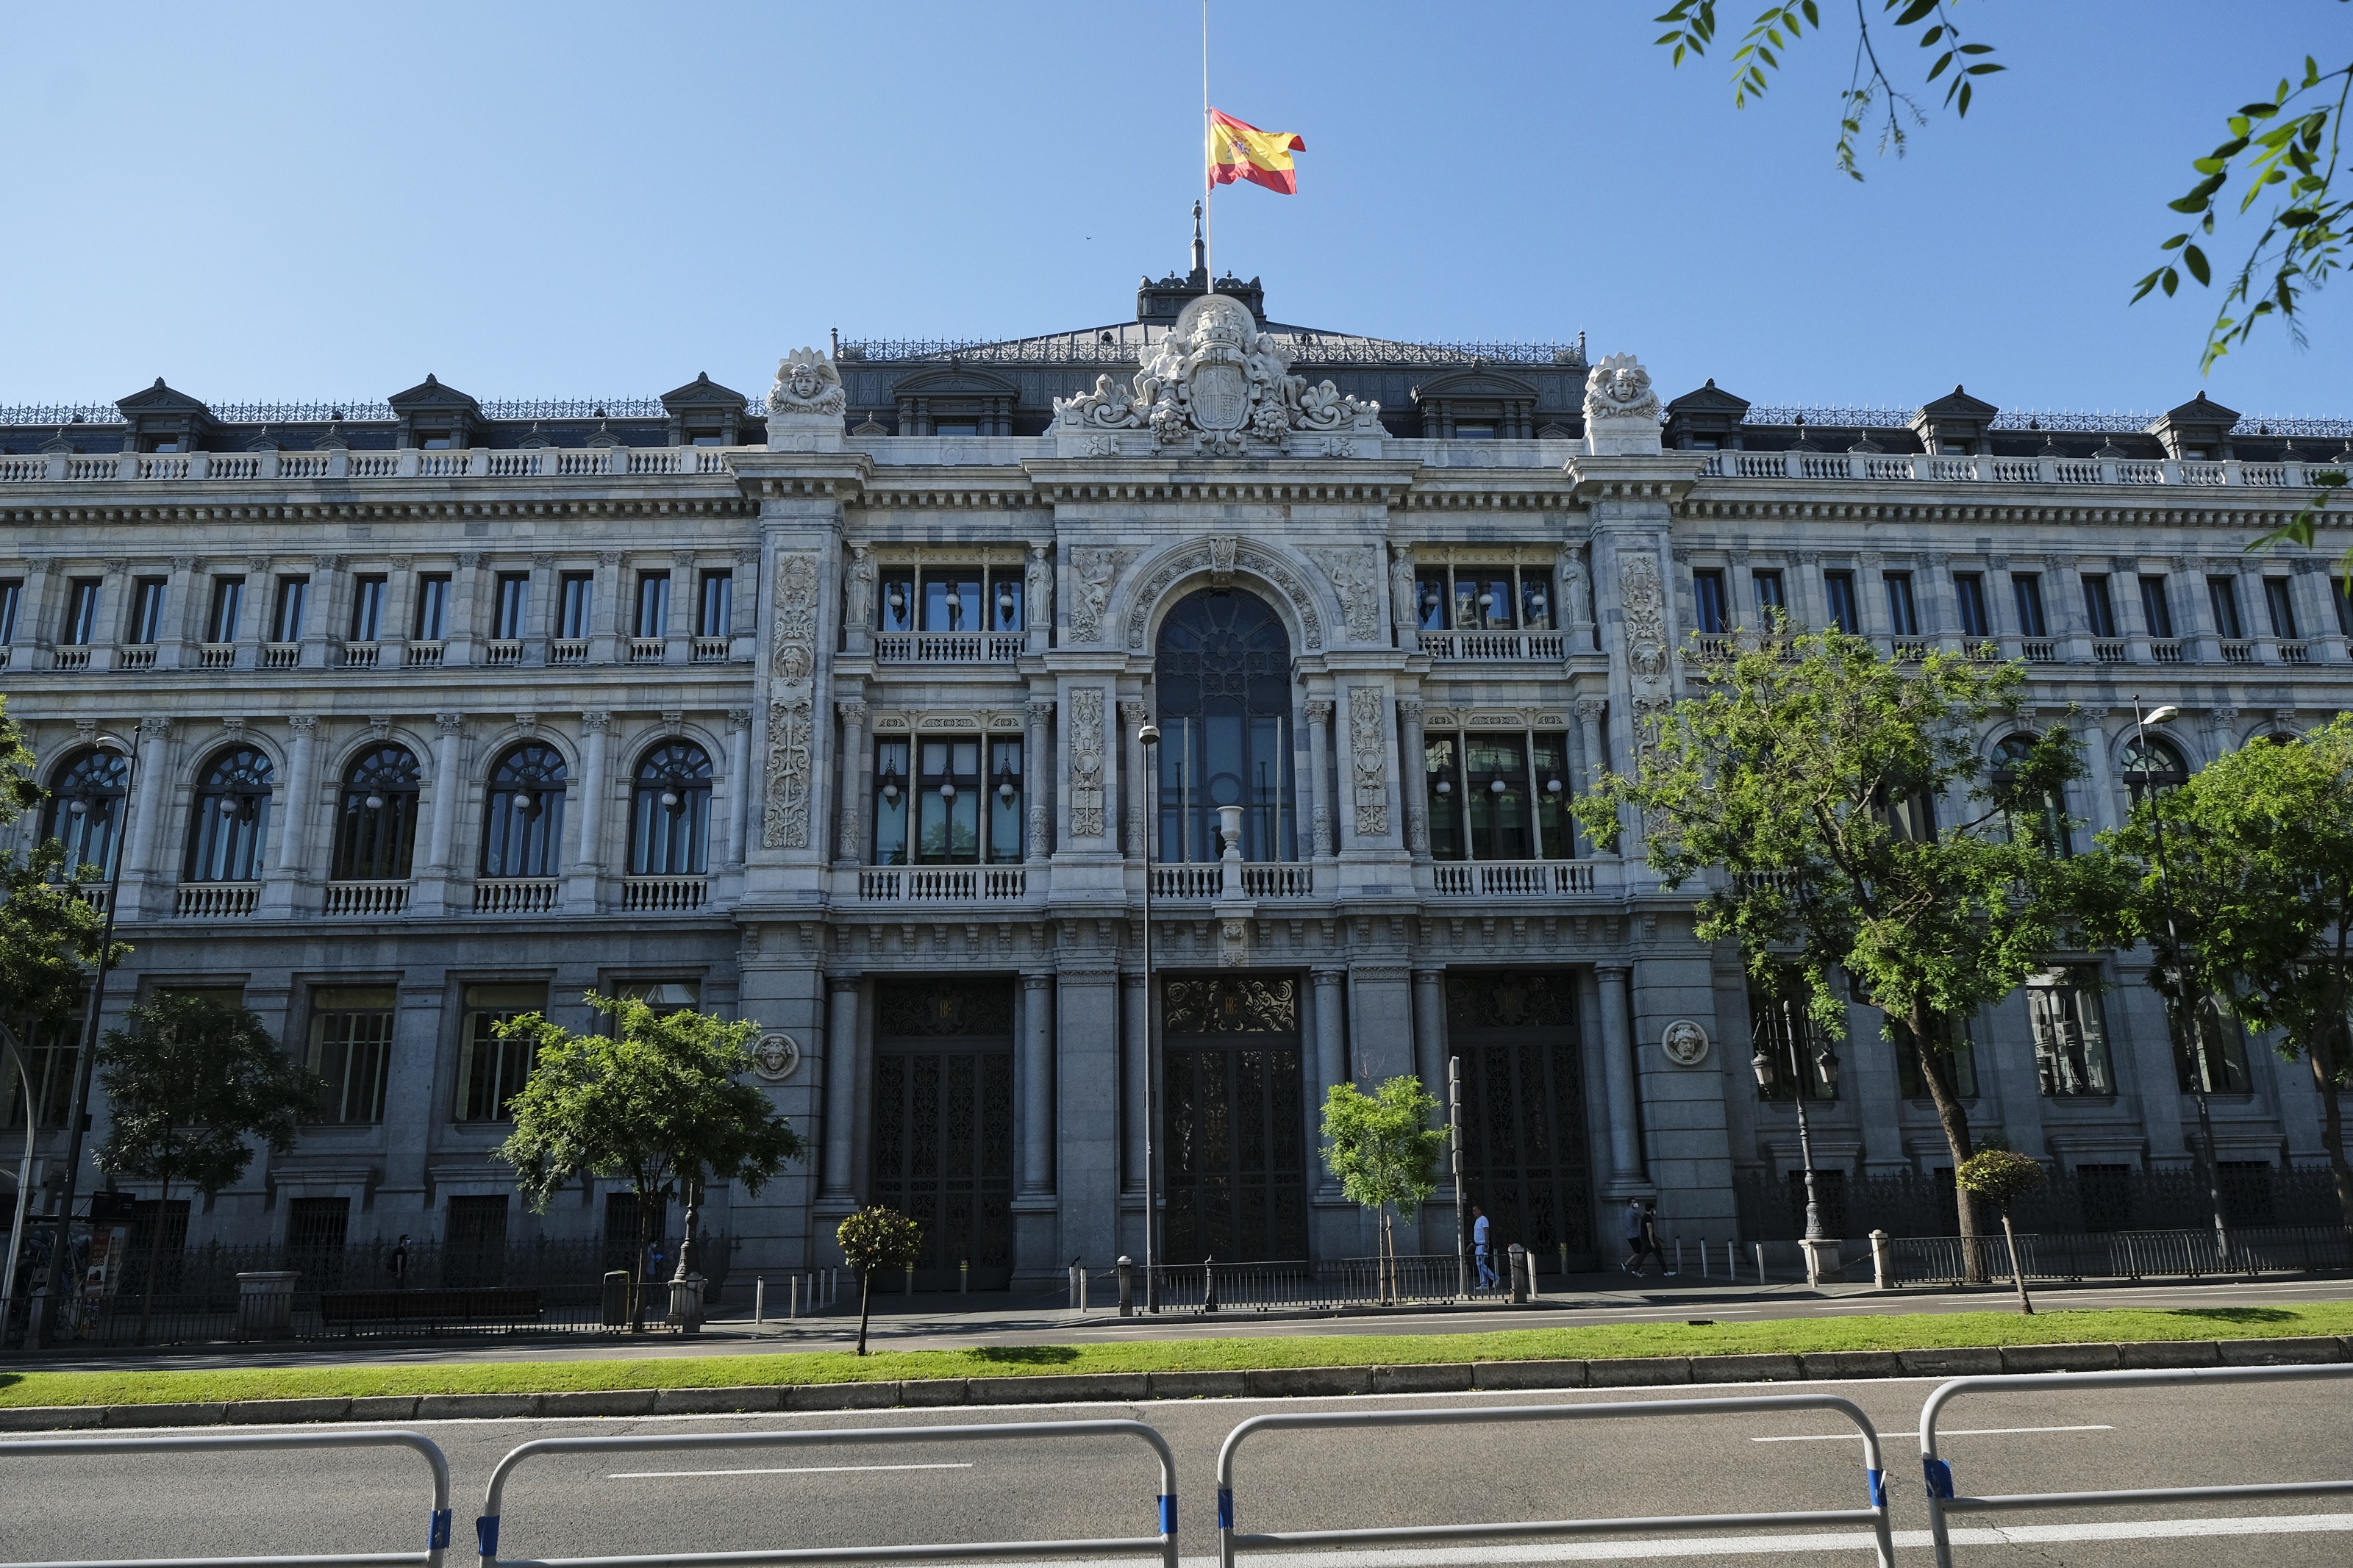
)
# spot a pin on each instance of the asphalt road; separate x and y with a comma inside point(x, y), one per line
point(849, 1493)
point(941, 1323)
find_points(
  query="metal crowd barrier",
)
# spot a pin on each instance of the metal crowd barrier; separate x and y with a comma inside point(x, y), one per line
point(1161, 1545)
point(1231, 1543)
point(436, 1531)
point(1944, 1499)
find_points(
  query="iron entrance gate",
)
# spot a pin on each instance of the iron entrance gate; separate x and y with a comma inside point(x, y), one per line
point(1523, 1149)
point(942, 1127)
point(1236, 1155)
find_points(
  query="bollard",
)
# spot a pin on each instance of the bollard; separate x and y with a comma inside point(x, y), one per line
point(1126, 1289)
point(1760, 1262)
point(908, 1289)
point(793, 1306)
point(1679, 1255)
point(964, 1277)
point(759, 1300)
point(1702, 1256)
point(1533, 1294)
point(1069, 1287)
point(1882, 1261)
point(1516, 1260)
point(1731, 1261)
point(1082, 1287)
point(1564, 1264)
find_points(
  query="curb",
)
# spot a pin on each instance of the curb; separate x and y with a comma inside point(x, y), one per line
point(1272, 1383)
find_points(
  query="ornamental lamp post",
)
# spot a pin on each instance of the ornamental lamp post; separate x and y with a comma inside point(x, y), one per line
point(1826, 1066)
point(2188, 1005)
point(1147, 735)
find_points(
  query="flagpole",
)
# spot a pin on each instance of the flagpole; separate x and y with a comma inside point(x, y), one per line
point(1209, 173)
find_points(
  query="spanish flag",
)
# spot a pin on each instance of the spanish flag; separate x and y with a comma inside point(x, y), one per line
point(1242, 151)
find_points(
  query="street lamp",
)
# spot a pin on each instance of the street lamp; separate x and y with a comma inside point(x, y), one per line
point(60, 1245)
point(2188, 1005)
point(1147, 735)
point(1827, 1065)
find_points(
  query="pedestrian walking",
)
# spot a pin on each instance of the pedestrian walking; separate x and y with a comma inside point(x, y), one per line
point(1478, 1253)
point(1651, 1238)
point(398, 1263)
point(1634, 1264)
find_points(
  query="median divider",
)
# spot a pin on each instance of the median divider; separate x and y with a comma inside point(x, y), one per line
point(436, 1522)
point(1937, 1473)
point(1161, 1545)
point(1232, 1541)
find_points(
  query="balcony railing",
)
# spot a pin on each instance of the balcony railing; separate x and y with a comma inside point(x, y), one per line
point(710, 650)
point(281, 655)
point(664, 895)
point(423, 655)
point(2295, 653)
point(217, 655)
point(142, 656)
point(2236, 651)
point(568, 650)
point(948, 647)
point(2040, 650)
point(549, 462)
point(647, 651)
point(502, 651)
point(2105, 651)
point(2168, 650)
point(73, 658)
point(367, 898)
point(1943, 468)
point(360, 655)
point(515, 895)
point(940, 884)
point(216, 900)
point(1188, 881)
point(1510, 879)
point(1279, 880)
point(1472, 647)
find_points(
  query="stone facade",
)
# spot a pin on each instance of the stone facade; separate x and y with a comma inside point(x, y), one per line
point(905, 619)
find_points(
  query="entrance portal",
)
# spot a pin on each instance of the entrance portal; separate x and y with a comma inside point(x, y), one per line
point(1523, 1153)
point(1236, 1147)
point(943, 1143)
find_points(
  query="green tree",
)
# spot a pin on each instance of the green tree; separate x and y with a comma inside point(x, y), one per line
point(2253, 904)
point(49, 933)
point(1840, 796)
point(659, 1100)
point(2000, 1176)
point(186, 1085)
point(874, 1239)
point(1384, 1153)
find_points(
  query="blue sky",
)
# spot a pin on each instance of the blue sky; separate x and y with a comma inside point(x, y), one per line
point(600, 200)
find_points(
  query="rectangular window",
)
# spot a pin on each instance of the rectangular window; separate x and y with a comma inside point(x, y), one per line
point(664, 996)
point(367, 608)
point(951, 599)
point(1498, 796)
point(947, 803)
point(292, 593)
point(1770, 595)
point(890, 785)
point(50, 1053)
point(513, 606)
point(11, 600)
point(1442, 768)
point(1956, 1064)
point(1549, 759)
point(1430, 596)
point(2218, 1061)
point(653, 604)
point(716, 618)
point(432, 607)
point(1707, 602)
point(146, 611)
point(490, 1071)
point(1776, 1019)
point(2071, 1036)
point(896, 607)
point(2337, 595)
point(1005, 803)
point(2156, 609)
point(2224, 593)
point(2280, 600)
point(434, 441)
point(576, 599)
point(1969, 600)
point(2099, 609)
point(2026, 592)
point(81, 612)
point(1845, 616)
point(1483, 598)
point(351, 1048)
point(1495, 776)
point(1903, 609)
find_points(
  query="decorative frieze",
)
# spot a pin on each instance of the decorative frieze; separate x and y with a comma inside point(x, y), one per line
point(1087, 761)
point(1368, 759)
point(1355, 576)
point(1641, 597)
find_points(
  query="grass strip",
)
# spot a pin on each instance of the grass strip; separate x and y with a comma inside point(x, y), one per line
point(1913, 1331)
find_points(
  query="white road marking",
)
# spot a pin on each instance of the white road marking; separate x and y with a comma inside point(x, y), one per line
point(790, 1470)
point(1962, 1432)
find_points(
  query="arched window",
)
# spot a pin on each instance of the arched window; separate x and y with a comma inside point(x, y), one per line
point(231, 821)
point(523, 832)
point(670, 811)
point(85, 806)
point(1223, 691)
point(2032, 816)
point(375, 829)
point(2152, 764)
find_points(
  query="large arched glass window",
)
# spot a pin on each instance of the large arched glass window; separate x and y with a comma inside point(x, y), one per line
point(85, 806)
point(1223, 690)
point(375, 829)
point(670, 811)
point(522, 831)
point(2032, 816)
point(2153, 763)
point(231, 820)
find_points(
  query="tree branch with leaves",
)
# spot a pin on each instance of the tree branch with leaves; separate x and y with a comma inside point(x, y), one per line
point(1383, 1152)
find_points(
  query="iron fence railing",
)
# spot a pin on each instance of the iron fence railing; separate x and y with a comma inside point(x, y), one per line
point(2089, 1199)
point(2125, 1255)
point(1312, 1283)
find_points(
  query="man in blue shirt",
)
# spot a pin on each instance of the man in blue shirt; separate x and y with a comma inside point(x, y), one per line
point(1478, 1253)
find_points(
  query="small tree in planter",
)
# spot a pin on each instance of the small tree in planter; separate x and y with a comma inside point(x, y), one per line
point(1384, 1153)
point(1999, 1176)
point(874, 1239)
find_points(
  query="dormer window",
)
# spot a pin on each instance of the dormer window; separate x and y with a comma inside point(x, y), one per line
point(163, 443)
point(434, 441)
point(705, 438)
point(955, 427)
point(1475, 432)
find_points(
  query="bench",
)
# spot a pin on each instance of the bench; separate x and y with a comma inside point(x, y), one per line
point(488, 1304)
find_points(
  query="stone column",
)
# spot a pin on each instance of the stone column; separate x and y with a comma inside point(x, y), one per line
point(1134, 1071)
point(684, 604)
point(2196, 629)
point(1082, 1219)
point(1593, 759)
point(1330, 1055)
point(2102, 809)
point(584, 895)
point(1412, 774)
point(140, 872)
point(179, 614)
point(604, 607)
point(1319, 775)
point(464, 627)
point(1133, 711)
point(1626, 1177)
point(1037, 1072)
point(850, 847)
point(446, 789)
point(2071, 618)
point(539, 614)
point(1035, 773)
point(840, 1183)
point(293, 822)
point(739, 784)
point(1687, 1148)
point(256, 610)
point(325, 614)
point(2315, 612)
point(1429, 1050)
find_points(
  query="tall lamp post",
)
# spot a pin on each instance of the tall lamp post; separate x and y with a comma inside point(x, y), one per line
point(2188, 1003)
point(60, 1244)
point(20, 1209)
point(1767, 1070)
point(1147, 735)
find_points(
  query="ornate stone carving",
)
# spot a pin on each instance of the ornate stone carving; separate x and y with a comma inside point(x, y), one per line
point(793, 655)
point(1246, 556)
point(1639, 594)
point(1684, 1043)
point(1401, 594)
point(155, 729)
point(449, 724)
point(777, 1056)
point(1621, 412)
point(1223, 547)
point(860, 608)
point(1368, 759)
point(1038, 583)
point(807, 382)
point(596, 724)
point(304, 724)
point(784, 823)
point(1087, 762)
point(1355, 576)
point(1216, 384)
point(1576, 590)
point(1096, 569)
point(1042, 712)
point(1417, 820)
point(1319, 713)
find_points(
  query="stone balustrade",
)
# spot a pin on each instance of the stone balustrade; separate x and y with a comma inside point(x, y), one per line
point(1910, 469)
